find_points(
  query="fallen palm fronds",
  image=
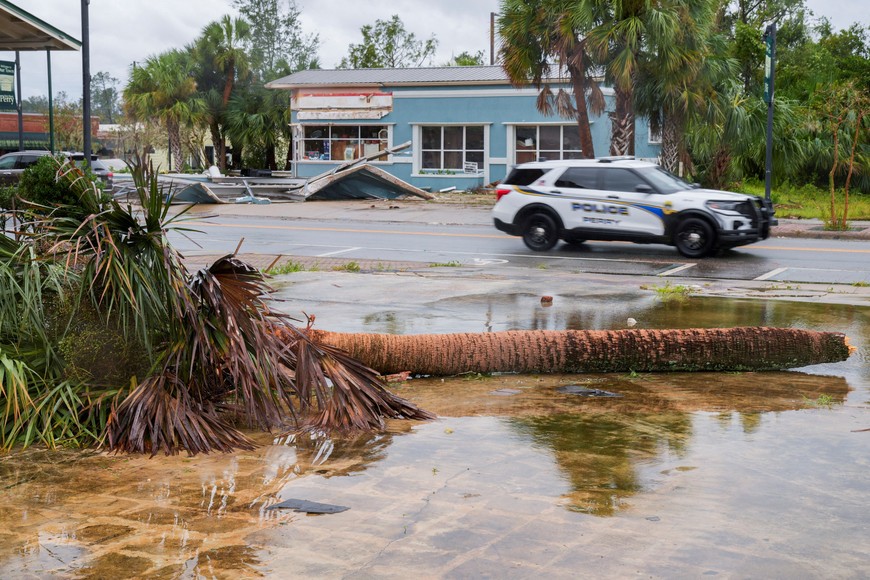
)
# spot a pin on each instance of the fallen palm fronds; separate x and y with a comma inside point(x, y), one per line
point(574, 351)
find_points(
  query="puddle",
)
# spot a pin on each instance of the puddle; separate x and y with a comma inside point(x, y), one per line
point(684, 474)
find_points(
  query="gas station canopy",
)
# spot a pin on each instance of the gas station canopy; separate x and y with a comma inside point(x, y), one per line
point(21, 30)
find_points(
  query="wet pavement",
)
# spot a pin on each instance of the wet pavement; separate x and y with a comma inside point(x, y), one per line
point(682, 475)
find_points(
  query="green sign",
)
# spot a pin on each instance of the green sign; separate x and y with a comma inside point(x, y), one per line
point(768, 63)
point(7, 85)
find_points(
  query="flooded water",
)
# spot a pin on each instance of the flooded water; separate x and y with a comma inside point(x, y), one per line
point(675, 475)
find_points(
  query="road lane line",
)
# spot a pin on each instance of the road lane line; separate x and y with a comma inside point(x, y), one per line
point(771, 274)
point(335, 253)
point(673, 271)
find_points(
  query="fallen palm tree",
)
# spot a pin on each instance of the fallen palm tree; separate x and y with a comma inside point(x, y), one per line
point(576, 351)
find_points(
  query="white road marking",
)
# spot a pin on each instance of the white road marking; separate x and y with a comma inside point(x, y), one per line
point(335, 253)
point(771, 274)
point(673, 271)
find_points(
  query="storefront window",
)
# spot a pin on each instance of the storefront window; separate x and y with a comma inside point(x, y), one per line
point(342, 142)
point(539, 142)
point(452, 148)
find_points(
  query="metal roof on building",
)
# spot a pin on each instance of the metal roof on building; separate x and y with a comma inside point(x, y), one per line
point(446, 75)
point(21, 30)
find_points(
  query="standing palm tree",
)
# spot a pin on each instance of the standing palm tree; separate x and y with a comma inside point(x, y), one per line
point(164, 89)
point(620, 42)
point(542, 39)
point(679, 78)
point(258, 122)
point(222, 62)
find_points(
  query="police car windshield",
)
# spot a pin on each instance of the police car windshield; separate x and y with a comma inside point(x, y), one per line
point(664, 181)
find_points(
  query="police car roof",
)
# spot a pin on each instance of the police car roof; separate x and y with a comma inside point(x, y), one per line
point(620, 161)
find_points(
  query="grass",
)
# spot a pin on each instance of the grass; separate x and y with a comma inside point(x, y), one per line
point(826, 401)
point(287, 268)
point(450, 264)
point(670, 292)
point(349, 267)
point(809, 201)
point(861, 284)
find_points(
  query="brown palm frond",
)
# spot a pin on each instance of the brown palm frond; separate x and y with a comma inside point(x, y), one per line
point(236, 351)
point(597, 103)
point(544, 103)
point(160, 415)
point(564, 105)
point(348, 395)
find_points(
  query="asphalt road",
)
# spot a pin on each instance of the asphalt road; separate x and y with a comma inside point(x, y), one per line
point(355, 237)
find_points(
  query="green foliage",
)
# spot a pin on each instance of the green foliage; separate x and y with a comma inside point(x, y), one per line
point(465, 58)
point(39, 184)
point(670, 293)
point(278, 46)
point(106, 338)
point(387, 44)
point(7, 193)
point(349, 267)
point(450, 264)
point(286, 268)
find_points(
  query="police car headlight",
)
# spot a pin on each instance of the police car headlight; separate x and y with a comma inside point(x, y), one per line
point(726, 206)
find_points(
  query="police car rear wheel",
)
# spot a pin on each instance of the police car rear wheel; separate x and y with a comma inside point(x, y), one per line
point(694, 238)
point(540, 232)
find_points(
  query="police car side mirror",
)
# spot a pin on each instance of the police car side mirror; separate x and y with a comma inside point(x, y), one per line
point(643, 188)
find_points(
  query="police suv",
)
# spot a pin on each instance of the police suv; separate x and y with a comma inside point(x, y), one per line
point(626, 200)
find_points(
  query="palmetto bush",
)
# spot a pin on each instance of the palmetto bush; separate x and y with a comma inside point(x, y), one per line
point(106, 338)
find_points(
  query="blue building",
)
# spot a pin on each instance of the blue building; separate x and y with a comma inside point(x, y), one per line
point(466, 125)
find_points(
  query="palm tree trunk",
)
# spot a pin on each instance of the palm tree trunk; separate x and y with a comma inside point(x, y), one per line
point(575, 351)
point(578, 84)
point(622, 124)
point(670, 145)
point(175, 146)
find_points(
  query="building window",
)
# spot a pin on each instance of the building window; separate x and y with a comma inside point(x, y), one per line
point(452, 148)
point(342, 142)
point(655, 136)
point(547, 142)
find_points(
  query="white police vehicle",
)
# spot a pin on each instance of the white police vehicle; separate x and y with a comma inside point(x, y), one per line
point(623, 199)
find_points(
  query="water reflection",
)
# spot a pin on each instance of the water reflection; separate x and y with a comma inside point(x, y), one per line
point(598, 453)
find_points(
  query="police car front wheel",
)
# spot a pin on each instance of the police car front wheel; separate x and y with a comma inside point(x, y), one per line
point(540, 232)
point(694, 238)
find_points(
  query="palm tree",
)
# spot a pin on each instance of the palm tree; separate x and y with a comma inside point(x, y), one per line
point(208, 349)
point(222, 61)
point(164, 89)
point(680, 77)
point(543, 39)
point(258, 122)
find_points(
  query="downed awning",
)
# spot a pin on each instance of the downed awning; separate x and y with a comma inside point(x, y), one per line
point(360, 182)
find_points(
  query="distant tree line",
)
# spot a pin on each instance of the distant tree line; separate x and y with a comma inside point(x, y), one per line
point(695, 69)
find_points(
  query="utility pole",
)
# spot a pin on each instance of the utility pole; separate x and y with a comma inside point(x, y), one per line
point(492, 38)
point(769, 74)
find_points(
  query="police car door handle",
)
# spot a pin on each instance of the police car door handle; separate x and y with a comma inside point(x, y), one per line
point(612, 197)
point(556, 191)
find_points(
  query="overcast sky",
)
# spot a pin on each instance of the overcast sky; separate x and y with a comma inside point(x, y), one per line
point(124, 31)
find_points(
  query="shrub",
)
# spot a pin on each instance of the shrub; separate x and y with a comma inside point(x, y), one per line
point(39, 184)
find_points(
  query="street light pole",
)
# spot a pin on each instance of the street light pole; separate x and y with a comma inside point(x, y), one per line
point(769, 74)
point(86, 84)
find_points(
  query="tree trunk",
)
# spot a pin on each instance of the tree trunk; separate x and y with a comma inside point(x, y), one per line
point(622, 124)
point(717, 175)
point(175, 146)
point(578, 84)
point(580, 351)
point(670, 145)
